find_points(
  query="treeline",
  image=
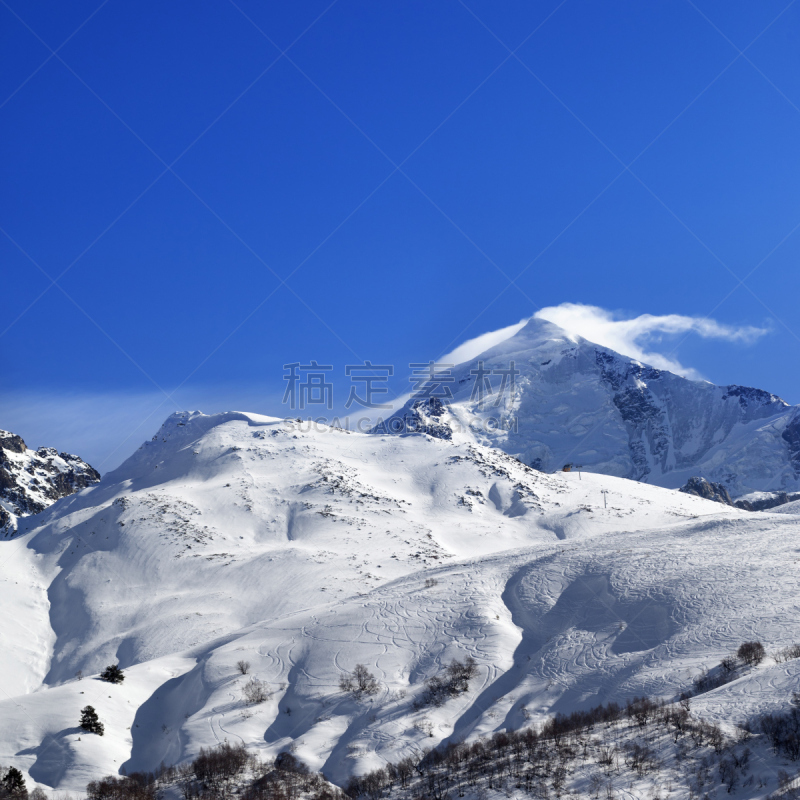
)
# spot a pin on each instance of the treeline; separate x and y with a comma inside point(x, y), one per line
point(612, 741)
point(598, 747)
point(590, 749)
point(219, 773)
point(782, 730)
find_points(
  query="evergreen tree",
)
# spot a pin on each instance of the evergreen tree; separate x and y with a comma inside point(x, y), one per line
point(90, 721)
point(14, 783)
point(113, 674)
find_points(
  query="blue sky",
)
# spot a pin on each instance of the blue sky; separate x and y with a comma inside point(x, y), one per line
point(198, 193)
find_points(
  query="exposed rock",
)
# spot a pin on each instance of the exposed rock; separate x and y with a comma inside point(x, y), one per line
point(760, 501)
point(11, 442)
point(31, 480)
point(424, 416)
point(710, 491)
point(791, 435)
point(767, 501)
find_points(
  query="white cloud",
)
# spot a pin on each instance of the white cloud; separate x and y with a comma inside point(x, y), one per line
point(636, 337)
point(474, 347)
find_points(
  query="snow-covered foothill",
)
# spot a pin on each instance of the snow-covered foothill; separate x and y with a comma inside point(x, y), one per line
point(305, 551)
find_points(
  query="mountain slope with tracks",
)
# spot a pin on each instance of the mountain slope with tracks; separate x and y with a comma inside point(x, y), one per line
point(304, 551)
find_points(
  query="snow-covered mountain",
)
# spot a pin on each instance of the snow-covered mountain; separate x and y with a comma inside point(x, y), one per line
point(577, 402)
point(32, 480)
point(304, 551)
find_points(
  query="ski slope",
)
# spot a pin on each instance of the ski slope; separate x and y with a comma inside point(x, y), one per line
point(305, 551)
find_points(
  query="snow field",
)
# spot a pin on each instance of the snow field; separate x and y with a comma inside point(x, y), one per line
point(306, 552)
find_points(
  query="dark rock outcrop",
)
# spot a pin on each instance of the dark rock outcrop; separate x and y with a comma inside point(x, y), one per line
point(719, 494)
point(710, 491)
point(770, 501)
point(31, 480)
point(428, 415)
point(791, 435)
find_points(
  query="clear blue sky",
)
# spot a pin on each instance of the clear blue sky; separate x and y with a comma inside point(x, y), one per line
point(406, 175)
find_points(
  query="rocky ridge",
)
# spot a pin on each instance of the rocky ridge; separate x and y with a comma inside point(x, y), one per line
point(32, 480)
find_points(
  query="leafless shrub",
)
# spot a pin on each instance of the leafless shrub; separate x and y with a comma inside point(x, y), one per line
point(255, 691)
point(728, 774)
point(728, 665)
point(120, 788)
point(640, 758)
point(641, 709)
point(217, 767)
point(460, 673)
point(287, 778)
point(678, 720)
point(455, 680)
point(243, 666)
point(782, 731)
point(359, 681)
point(752, 653)
point(788, 653)
point(714, 678)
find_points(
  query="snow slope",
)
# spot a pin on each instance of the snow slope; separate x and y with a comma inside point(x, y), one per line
point(306, 551)
point(575, 401)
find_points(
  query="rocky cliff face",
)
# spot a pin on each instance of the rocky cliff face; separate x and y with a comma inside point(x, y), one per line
point(791, 435)
point(31, 480)
point(710, 491)
point(575, 401)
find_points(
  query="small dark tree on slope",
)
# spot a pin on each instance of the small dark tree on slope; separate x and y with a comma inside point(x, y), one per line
point(14, 783)
point(113, 674)
point(90, 722)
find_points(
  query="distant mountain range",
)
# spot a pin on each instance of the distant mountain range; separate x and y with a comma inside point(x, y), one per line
point(577, 402)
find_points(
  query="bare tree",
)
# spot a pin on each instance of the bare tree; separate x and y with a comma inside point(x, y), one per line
point(752, 653)
point(243, 666)
point(359, 681)
point(255, 691)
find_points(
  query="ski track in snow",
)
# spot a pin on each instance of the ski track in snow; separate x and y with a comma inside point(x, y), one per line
point(240, 537)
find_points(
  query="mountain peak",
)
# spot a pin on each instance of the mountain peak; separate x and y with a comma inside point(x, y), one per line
point(548, 397)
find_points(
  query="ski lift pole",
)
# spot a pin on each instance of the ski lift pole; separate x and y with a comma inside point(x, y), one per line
point(605, 496)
